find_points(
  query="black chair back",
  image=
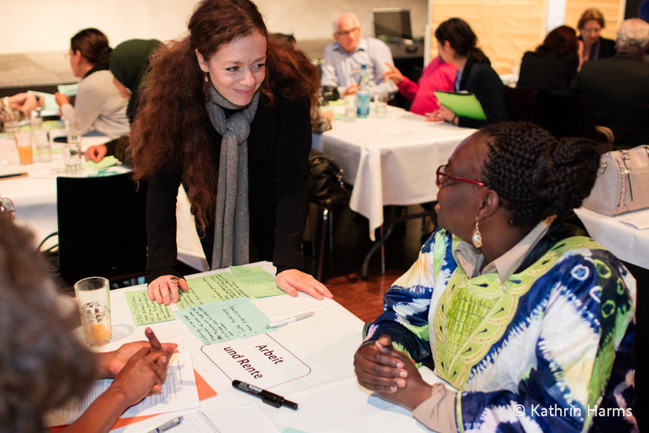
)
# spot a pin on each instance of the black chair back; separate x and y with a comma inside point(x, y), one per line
point(102, 230)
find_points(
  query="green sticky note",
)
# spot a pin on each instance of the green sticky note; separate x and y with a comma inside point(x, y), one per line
point(107, 161)
point(256, 280)
point(210, 288)
point(223, 321)
point(146, 311)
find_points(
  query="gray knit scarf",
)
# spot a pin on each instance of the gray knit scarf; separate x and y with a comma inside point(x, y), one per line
point(232, 221)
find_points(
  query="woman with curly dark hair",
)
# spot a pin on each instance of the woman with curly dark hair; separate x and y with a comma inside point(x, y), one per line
point(227, 113)
point(554, 63)
point(45, 365)
point(527, 319)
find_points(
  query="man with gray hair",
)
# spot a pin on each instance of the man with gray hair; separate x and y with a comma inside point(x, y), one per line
point(344, 57)
point(619, 86)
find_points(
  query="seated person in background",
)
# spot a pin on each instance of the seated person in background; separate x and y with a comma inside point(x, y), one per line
point(46, 364)
point(438, 75)
point(344, 57)
point(596, 47)
point(619, 86)
point(98, 105)
point(520, 312)
point(456, 44)
point(554, 63)
point(128, 63)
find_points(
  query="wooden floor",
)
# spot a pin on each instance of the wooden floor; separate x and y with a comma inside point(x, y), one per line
point(342, 266)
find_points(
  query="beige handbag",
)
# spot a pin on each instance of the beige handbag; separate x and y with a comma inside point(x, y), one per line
point(622, 182)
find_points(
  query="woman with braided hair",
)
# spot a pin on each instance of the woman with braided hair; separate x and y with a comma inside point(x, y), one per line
point(527, 320)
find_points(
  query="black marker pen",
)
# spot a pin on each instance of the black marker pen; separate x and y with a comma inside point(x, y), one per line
point(266, 396)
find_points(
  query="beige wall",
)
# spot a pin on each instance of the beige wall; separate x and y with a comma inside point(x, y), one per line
point(508, 28)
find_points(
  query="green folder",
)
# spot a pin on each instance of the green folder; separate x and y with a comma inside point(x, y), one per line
point(464, 104)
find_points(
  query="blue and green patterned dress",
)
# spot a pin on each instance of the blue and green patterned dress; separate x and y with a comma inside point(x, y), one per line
point(549, 349)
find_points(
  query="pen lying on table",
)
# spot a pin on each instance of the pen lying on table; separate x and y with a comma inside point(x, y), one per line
point(290, 320)
point(266, 396)
point(12, 175)
point(168, 425)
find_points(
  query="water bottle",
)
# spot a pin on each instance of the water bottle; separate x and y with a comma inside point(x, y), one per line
point(363, 94)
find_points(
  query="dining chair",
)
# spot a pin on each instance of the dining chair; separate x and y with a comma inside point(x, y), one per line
point(101, 228)
point(326, 192)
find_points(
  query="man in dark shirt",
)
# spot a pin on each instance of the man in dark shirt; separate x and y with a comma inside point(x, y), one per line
point(619, 86)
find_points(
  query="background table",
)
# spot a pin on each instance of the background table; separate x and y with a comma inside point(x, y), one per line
point(34, 197)
point(329, 398)
point(390, 161)
point(626, 242)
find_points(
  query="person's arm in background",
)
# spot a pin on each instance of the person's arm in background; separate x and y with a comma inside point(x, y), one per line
point(438, 75)
point(89, 103)
point(25, 102)
point(406, 86)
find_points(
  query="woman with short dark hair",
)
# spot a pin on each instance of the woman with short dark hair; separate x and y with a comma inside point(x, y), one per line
point(98, 106)
point(457, 44)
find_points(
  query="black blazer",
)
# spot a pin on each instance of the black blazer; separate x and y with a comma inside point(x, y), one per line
point(481, 79)
point(619, 89)
point(278, 151)
point(605, 48)
point(548, 71)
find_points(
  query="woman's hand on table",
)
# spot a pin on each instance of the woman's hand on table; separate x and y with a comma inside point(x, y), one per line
point(442, 114)
point(111, 363)
point(392, 374)
point(392, 73)
point(164, 289)
point(143, 373)
point(96, 153)
point(291, 281)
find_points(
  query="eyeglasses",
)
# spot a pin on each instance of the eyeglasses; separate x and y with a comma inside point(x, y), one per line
point(346, 32)
point(442, 175)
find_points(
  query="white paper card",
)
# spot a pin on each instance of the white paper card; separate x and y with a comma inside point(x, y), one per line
point(260, 360)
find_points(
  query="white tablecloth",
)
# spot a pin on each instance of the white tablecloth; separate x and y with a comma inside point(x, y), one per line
point(329, 397)
point(390, 161)
point(627, 242)
point(34, 197)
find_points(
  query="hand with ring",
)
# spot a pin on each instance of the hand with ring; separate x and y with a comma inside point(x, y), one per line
point(164, 289)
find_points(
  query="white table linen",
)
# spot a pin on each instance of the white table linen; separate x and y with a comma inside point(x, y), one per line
point(624, 240)
point(329, 398)
point(34, 197)
point(390, 161)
